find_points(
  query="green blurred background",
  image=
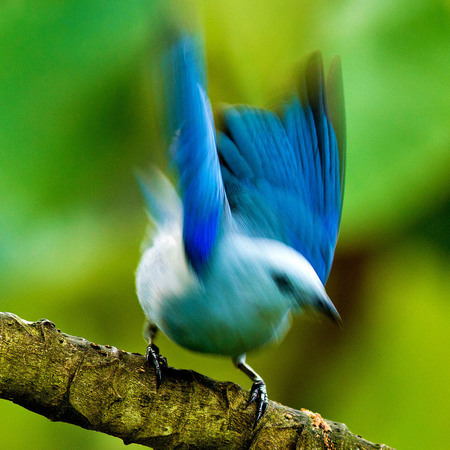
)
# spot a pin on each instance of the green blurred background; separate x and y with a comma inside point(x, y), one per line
point(77, 117)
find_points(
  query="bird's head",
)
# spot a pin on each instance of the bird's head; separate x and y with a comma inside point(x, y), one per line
point(291, 277)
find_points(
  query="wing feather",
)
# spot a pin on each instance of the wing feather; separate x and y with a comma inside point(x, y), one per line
point(285, 177)
point(194, 150)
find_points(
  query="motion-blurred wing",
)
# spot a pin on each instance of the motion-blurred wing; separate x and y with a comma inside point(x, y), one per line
point(194, 150)
point(317, 134)
point(286, 176)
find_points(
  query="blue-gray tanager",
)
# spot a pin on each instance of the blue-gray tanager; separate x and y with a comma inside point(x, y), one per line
point(252, 239)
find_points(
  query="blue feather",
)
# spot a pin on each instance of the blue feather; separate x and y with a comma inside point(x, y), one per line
point(284, 178)
point(195, 153)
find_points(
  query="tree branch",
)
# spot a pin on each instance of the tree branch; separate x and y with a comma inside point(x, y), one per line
point(99, 387)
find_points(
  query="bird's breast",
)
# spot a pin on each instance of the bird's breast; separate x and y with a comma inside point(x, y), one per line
point(222, 322)
point(230, 311)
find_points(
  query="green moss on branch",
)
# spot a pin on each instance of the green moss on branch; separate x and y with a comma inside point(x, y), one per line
point(99, 387)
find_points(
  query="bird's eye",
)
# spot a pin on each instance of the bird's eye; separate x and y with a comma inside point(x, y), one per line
point(283, 283)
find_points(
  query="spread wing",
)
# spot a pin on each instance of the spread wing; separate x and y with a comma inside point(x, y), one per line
point(194, 150)
point(284, 174)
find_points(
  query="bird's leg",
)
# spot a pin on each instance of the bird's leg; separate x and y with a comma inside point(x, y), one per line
point(258, 393)
point(152, 354)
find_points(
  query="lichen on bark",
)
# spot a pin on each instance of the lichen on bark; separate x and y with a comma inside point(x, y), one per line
point(102, 388)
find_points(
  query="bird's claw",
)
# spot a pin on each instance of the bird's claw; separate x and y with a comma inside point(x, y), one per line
point(157, 361)
point(258, 395)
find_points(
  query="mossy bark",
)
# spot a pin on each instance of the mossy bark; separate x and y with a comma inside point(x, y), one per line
point(99, 387)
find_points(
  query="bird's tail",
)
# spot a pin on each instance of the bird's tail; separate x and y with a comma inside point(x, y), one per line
point(163, 204)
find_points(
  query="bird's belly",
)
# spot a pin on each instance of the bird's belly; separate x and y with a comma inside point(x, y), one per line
point(221, 327)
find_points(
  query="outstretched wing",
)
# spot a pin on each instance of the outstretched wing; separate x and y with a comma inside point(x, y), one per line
point(194, 150)
point(284, 174)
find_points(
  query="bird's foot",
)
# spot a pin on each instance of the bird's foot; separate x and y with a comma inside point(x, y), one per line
point(258, 395)
point(157, 361)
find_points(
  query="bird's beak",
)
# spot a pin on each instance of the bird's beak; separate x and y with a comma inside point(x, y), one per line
point(328, 309)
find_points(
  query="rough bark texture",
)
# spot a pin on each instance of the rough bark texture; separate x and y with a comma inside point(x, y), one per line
point(99, 387)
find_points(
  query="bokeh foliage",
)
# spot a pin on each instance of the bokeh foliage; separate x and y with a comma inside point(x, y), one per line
point(78, 116)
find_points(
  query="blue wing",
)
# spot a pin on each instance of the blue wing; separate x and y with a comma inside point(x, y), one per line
point(284, 177)
point(194, 150)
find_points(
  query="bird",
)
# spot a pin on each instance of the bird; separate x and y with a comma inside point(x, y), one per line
point(246, 238)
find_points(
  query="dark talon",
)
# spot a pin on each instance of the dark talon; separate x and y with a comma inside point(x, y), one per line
point(258, 395)
point(157, 361)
